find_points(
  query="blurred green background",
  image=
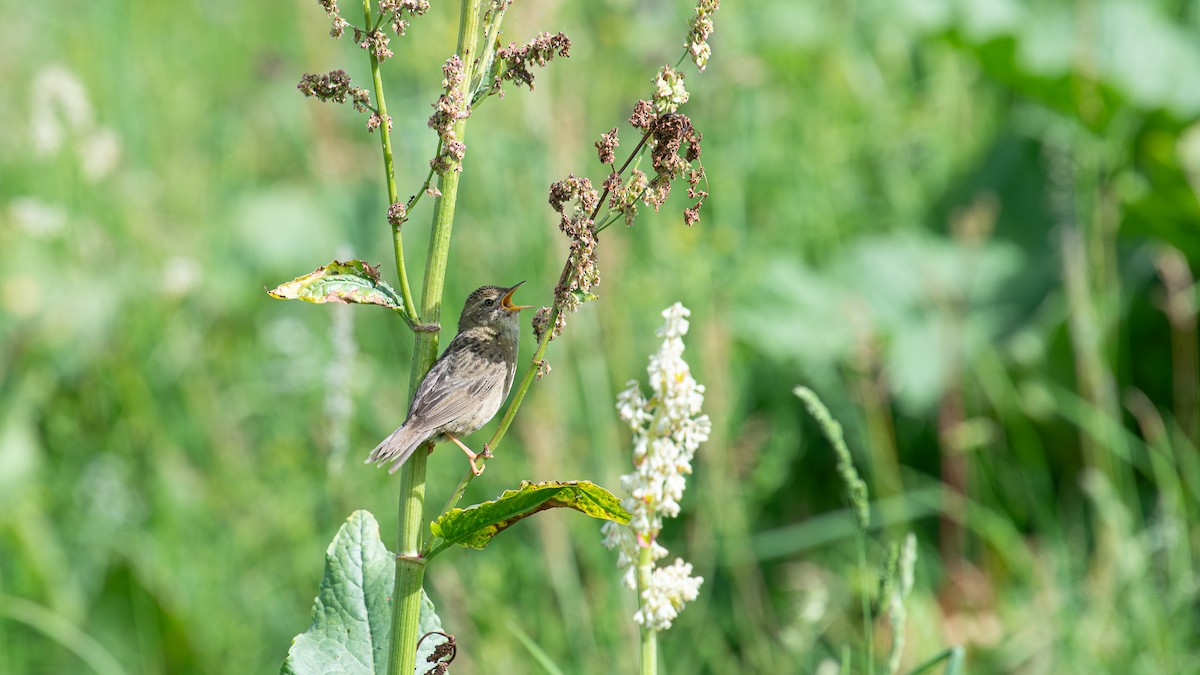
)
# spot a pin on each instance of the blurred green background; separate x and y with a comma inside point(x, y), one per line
point(970, 225)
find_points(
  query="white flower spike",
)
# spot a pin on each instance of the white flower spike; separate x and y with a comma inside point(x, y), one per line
point(667, 430)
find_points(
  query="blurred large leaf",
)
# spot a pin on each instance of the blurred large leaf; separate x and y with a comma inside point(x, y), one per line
point(354, 282)
point(929, 303)
point(476, 525)
point(352, 614)
point(1128, 71)
point(934, 302)
point(783, 315)
point(1131, 50)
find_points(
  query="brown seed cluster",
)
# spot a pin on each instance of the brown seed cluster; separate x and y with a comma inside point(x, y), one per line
point(518, 60)
point(541, 321)
point(397, 214)
point(623, 196)
point(334, 87)
point(399, 9)
point(393, 11)
point(376, 120)
point(606, 147)
point(449, 108)
point(643, 115)
point(675, 152)
point(375, 41)
point(670, 134)
point(572, 188)
point(339, 24)
point(575, 200)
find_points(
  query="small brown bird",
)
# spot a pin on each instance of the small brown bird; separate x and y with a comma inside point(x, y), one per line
point(467, 384)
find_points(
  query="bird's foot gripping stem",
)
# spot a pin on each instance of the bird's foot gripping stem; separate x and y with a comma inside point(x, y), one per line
point(472, 456)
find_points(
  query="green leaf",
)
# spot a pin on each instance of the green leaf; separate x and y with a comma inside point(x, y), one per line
point(475, 526)
point(353, 282)
point(352, 614)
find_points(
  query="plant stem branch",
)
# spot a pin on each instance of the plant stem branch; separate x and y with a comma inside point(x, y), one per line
point(410, 566)
point(389, 171)
point(412, 201)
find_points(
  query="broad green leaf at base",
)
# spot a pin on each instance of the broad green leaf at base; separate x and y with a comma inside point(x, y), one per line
point(352, 614)
point(475, 526)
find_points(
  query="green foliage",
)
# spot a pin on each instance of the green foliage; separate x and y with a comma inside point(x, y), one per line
point(475, 526)
point(174, 447)
point(352, 614)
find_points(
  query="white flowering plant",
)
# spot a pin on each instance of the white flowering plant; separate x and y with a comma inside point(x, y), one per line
point(668, 428)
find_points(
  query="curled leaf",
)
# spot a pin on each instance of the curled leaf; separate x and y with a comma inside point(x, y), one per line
point(352, 282)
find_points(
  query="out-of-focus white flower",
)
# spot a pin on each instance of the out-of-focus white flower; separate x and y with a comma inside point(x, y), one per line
point(667, 429)
point(36, 217)
point(61, 115)
point(181, 276)
point(58, 100)
point(99, 153)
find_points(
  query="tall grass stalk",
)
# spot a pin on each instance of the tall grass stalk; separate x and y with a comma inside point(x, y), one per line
point(856, 492)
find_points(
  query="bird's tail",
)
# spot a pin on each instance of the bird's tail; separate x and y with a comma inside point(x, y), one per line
point(397, 447)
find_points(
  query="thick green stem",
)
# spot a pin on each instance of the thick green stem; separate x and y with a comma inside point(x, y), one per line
point(649, 636)
point(649, 651)
point(410, 566)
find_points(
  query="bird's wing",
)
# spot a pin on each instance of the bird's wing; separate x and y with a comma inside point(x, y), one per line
point(445, 396)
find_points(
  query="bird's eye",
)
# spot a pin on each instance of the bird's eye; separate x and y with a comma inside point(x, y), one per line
point(489, 302)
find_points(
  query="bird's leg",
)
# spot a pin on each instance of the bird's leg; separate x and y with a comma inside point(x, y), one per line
point(426, 327)
point(471, 455)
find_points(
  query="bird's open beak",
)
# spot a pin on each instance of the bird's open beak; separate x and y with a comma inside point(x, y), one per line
point(506, 301)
